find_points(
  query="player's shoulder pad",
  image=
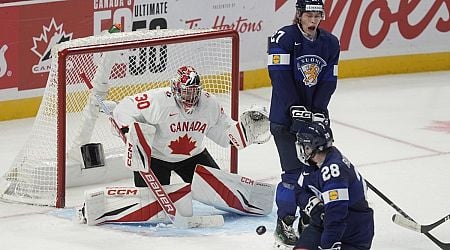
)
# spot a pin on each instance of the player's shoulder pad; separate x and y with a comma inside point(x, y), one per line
point(284, 38)
point(156, 97)
point(329, 37)
point(207, 95)
point(161, 93)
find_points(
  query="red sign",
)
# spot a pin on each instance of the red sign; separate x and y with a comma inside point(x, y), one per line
point(9, 49)
point(42, 27)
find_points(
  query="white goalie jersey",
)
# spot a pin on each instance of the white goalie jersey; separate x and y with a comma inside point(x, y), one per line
point(178, 135)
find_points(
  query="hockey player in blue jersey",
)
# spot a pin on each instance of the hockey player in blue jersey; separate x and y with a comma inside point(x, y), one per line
point(302, 65)
point(332, 192)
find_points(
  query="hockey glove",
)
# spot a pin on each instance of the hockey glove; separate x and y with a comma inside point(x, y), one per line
point(315, 210)
point(302, 114)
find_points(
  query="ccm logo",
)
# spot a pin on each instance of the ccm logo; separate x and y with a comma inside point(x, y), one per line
point(247, 180)
point(301, 114)
point(233, 140)
point(129, 154)
point(122, 191)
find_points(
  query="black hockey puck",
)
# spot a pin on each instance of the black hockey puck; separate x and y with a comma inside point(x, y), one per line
point(260, 230)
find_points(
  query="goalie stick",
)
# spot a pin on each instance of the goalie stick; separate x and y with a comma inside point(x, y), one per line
point(440, 244)
point(155, 186)
point(406, 223)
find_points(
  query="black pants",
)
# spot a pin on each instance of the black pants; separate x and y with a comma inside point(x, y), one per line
point(185, 169)
point(285, 142)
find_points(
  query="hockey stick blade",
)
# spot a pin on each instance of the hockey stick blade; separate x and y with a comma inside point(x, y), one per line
point(198, 221)
point(406, 223)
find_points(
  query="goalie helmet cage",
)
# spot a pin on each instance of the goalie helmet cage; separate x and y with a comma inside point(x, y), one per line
point(113, 66)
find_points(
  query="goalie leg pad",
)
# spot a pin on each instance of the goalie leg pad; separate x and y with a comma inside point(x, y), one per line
point(133, 204)
point(232, 192)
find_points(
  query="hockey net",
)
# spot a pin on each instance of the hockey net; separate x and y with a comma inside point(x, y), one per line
point(129, 62)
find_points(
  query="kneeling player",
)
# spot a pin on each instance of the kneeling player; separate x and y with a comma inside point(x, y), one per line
point(332, 193)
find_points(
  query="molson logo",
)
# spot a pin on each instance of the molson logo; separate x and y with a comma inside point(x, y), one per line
point(279, 4)
point(387, 19)
point(50, 36)
point(3, 64)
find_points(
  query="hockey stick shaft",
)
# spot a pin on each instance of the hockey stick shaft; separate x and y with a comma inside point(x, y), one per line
point(404, 222)
point(440, 244)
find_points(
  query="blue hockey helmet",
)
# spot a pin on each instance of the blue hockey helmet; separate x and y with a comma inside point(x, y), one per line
point(309, 5)
point(312, 137)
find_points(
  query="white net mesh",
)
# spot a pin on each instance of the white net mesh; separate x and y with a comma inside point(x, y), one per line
point(132, 63)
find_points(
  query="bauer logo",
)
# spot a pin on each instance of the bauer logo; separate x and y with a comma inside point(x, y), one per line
point(51, 35)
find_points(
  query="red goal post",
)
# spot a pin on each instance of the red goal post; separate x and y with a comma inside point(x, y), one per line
point(68, 118)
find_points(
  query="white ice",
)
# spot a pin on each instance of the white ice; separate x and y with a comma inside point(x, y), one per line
point(395, 129)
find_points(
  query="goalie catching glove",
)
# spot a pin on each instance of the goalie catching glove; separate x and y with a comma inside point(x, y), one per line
point(252, 128)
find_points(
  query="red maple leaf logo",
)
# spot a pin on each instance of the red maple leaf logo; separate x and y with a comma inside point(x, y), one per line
point(183, 145)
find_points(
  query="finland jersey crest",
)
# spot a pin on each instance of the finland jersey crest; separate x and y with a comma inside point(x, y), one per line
point(310, 66)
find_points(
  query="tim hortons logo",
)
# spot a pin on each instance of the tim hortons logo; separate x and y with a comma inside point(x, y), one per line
point(159, 193)
point(241, 24)
point(3, 64)
point(50, 36)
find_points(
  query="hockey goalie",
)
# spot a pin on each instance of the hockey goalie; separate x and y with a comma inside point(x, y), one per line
point(165, 131)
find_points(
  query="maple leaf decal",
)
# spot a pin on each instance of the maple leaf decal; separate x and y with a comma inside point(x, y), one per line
point(183, 145)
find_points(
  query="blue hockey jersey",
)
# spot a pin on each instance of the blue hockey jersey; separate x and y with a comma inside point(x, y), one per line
point(302, 72)
point(348, 217)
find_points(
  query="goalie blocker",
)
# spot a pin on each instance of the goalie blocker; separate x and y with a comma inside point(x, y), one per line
point(220, 189)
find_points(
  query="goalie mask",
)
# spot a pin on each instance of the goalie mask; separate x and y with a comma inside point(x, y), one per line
point(186, 88)
point(312, 137)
